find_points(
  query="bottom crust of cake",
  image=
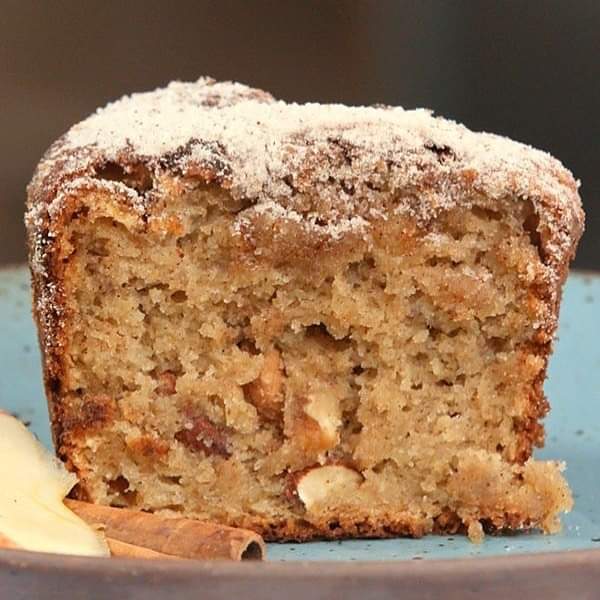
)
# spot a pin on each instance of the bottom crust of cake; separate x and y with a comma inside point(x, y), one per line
point(485, 498)
point(505, 513)
point(355, 527)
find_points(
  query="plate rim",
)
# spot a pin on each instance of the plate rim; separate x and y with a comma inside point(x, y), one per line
point(457, 566)
point(543, 575)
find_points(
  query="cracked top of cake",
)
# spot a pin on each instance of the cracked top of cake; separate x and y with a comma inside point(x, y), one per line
point(304, 161)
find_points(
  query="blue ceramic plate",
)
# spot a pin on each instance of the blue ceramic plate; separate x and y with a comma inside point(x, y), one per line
point(572, 429)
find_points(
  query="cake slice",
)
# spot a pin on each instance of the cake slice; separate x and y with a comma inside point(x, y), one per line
point(314, 321)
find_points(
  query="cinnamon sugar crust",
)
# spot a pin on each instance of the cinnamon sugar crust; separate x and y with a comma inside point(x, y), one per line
point(233, 292)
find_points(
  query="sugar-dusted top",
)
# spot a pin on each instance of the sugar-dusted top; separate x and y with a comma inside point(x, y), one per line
point(331, 169)
point(267, 151)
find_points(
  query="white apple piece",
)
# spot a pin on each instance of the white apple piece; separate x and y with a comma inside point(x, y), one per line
point(33, 485)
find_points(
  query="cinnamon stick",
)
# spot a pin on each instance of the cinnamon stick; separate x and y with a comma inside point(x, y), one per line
point(125, 550)
point(184, 538)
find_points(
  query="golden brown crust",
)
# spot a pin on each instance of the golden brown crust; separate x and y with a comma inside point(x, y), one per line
point(381, 527)
point(336, 529)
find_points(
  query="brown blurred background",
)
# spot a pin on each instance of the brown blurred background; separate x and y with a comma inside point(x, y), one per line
point(530, 70)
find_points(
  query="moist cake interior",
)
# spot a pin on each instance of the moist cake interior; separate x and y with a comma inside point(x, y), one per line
point(216, 362)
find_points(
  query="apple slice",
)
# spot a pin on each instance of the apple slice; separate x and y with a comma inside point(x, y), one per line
point(33, 485)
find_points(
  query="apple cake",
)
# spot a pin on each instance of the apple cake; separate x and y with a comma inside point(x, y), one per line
point(314, 321)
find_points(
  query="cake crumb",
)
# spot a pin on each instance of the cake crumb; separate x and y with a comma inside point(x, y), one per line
point(475, 532)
